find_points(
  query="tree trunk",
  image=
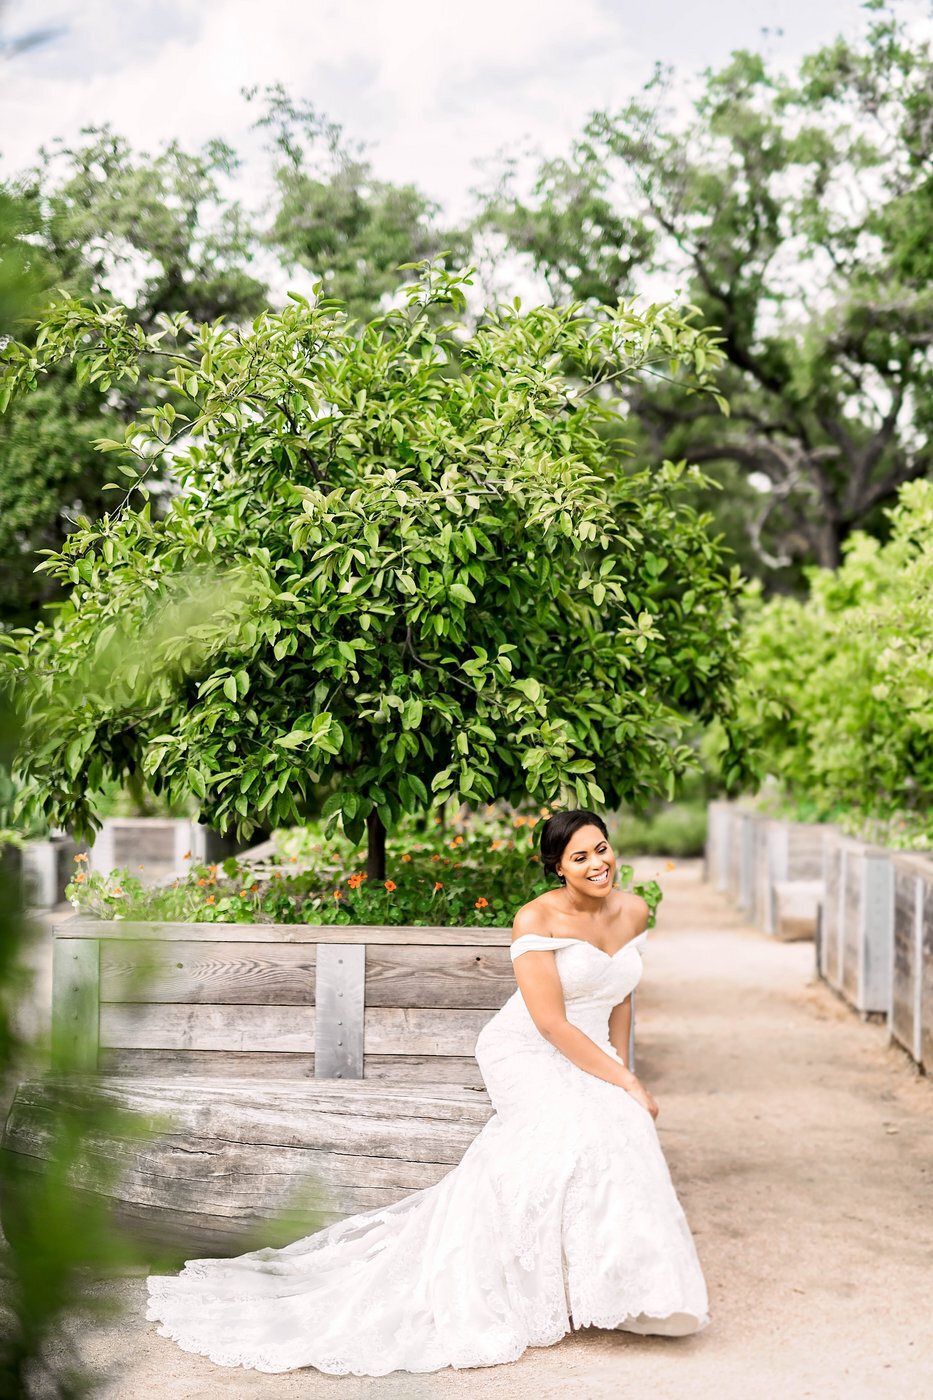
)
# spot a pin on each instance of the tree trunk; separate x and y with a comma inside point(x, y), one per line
point(375, 847)
point(828, 544)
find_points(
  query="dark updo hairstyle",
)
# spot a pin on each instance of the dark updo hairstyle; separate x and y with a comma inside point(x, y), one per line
point(557, 831)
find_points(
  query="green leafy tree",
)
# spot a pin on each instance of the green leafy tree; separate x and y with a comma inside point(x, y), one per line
point(795, 211)
point(837, 696)
point(332, 216)
point(403, 566)
point(104, 220)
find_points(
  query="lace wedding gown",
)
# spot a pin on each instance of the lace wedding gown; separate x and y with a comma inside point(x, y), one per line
point(562, 1207)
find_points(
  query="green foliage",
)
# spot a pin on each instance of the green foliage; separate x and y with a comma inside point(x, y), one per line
point(403, 564)
point(795, 211)
point(164, 233)
point(160, 219)
point(25, 272)
point(675, 829)
point(475, 873)
point(352, 231)
point(53, 1233)
point(839, 687)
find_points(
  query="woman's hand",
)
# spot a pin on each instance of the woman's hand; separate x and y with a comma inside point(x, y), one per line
point(641, 1095)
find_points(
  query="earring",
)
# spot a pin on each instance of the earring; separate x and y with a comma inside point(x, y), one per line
point(563, 879)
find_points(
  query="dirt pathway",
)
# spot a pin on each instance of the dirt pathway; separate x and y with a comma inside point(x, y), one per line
point(802, 1148)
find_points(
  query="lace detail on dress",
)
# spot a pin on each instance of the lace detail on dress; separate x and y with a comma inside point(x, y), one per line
point(563, 1204)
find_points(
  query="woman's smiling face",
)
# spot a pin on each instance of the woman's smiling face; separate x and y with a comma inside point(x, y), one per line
point(587, 863)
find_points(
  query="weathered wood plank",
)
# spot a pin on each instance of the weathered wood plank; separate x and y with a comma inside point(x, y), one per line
point(279, 1098)
point(75, 1004)
point(474, 976)
point(219, 1167)
point(226, 1064)
point(286, 933)
point(165, 1026)
point(210, 1176)
point(422, 1031)
point(174, 1234)
point(387, 1030)
point(221, 972)
point(423, 1069)
point(230, 1064)
point(926, 973)
point(904, 971)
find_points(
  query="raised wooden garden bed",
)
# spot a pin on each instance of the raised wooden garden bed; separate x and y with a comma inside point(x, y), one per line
point(335, 1061)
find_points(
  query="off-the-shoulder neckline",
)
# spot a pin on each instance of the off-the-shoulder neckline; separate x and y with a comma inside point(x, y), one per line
point(565, 942)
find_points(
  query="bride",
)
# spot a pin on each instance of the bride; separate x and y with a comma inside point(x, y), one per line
point(560, 1215)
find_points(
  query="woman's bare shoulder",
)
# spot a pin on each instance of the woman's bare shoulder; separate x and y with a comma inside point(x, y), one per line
point(635, 911)
point(534, 917)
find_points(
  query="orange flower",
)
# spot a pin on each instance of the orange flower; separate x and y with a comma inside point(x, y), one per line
point(354, 882)
point(338, 894)
point(457, 864)
point(80, 877)
point(482, 903)
point(142, 867)
point(406, 859)
point(211, 881)
point(81, 856)
point(670, 865)
point(174, 884)
point(438, 884)
point(519, 821)
point(391, 885)
point(545, 811)
point(202, 881)
point(254, 888)
point(294, 860)
point(495, 845)
point(117, 890)
point(212, 869)
point(457, 841)
point(187, 855)
point(435, 857)
point(210, 899)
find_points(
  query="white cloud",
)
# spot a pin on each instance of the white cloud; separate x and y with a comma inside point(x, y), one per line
point(430, 85)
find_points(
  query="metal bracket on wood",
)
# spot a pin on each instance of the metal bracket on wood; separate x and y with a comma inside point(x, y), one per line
point(339, 981)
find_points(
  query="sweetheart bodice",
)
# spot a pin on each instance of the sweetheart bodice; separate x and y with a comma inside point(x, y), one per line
point(593, 982)
point(591, 975)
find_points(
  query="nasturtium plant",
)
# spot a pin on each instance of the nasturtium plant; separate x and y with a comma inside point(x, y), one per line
point(406, 562)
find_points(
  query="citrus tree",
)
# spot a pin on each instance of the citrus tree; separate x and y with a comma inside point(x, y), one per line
point(405, 562)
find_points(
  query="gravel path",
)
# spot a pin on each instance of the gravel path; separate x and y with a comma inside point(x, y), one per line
point(802, 1148)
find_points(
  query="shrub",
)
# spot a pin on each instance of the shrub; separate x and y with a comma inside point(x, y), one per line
point(839, 693)
point(476, 872)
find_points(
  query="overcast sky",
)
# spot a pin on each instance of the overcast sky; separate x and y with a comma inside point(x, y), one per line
point(430, 85)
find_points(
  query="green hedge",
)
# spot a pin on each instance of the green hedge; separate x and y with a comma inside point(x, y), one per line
point(839, 691)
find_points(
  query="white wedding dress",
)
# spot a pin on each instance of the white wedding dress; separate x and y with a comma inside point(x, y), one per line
point(561, 1208)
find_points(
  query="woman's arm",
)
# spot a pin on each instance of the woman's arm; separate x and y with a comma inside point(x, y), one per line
point(542, 993)
point(540, 986)
point(620, 1028)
